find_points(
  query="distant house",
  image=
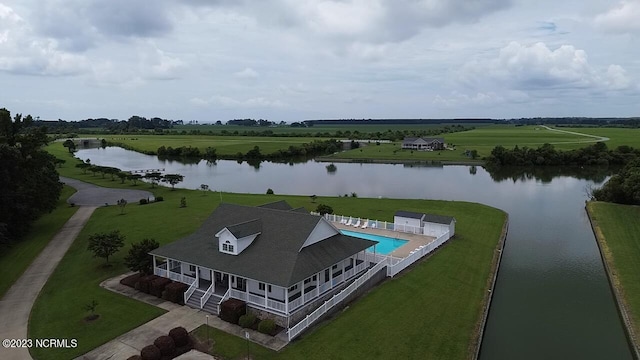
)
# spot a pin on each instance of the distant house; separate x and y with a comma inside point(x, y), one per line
point(427, 144)
point(279, 260)
point(425, 224)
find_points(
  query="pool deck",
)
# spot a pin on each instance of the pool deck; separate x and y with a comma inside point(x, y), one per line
point(415, 241)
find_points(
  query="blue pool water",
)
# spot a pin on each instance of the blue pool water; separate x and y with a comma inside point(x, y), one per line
point(385, 246)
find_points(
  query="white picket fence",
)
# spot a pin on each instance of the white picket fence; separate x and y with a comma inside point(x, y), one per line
point(370, 223)
point(336, 299)
point(417, 254)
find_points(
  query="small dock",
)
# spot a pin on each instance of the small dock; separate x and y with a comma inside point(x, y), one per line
point(146, 171)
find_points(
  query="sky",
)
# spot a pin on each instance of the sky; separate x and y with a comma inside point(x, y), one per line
point(292, 60)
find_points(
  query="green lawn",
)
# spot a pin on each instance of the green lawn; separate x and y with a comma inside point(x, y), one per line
point(483, 139)
point(433, 310)
point(15, 259)
point(618, 233)
point(617, 136)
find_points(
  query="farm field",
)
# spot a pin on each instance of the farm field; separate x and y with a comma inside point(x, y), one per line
point(618, 233)
point(483, 139)
point(617, 136)
point(455, 277)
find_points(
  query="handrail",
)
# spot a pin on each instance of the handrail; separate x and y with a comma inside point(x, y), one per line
point(190, 291)
point(206, 296)
point(224, 297)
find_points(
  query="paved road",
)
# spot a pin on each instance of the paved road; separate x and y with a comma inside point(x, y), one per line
point(16, 304)
point(92, 195)
point(592, 138)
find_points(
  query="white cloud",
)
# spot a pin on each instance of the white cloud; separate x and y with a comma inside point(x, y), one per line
point(160, 66)
point(625, 17)
point(537, 67)
point(247, 73)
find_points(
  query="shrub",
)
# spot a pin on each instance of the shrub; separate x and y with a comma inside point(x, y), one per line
point(324, 209)
point(179, 335)
point(247, 320)
point(232, 309)
point(269, 191)
point(144, 284)
point(131, 280)
point(159, 198)
point(166, 345)
point(150, 352)
point(267, 326)
point(174, 292)
point(158, 285)
point(144, 201)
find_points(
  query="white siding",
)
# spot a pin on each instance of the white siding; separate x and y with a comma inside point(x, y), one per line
point(225, 236)
point(402, 222)
point(323, 230)
point(244, 242)
point(435, 229)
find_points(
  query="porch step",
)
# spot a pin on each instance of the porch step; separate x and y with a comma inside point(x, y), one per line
point(211, 306)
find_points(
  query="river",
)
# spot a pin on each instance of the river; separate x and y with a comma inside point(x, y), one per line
point(552, 299)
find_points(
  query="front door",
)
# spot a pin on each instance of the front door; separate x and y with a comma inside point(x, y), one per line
point(222, 280)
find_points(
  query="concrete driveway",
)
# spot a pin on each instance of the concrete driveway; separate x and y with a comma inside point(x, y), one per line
point(93, 195)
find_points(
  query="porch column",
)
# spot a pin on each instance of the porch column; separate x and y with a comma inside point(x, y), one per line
point(154, 264)
point(317, 284)
point(229, 280)
point(302, 291)
point(266, 291)
point(343, 274)
point(213, 280)
point(246, 289)
point(181, 275)
point(331, 276)
point(286, 300)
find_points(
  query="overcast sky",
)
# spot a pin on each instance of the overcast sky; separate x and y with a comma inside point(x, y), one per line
point(292, 60)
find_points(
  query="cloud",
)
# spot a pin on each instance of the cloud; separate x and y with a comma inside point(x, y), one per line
point(623, 18)
point(24, 53)
point(160, 66)
point(537, 67)
point(229, 102)
point(247, 73)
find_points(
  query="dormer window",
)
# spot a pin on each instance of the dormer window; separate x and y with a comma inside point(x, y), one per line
point(227, 247)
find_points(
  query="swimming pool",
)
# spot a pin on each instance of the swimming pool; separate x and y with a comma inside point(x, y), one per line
point(386, 245)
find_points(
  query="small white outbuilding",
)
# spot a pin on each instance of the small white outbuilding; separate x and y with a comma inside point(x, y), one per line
point(425, 224)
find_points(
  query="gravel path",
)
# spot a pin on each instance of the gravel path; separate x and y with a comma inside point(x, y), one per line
point(93, 195)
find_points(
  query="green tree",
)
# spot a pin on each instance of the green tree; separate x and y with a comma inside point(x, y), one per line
point(105, 244)
point(154, 178)
point(173, 179)
point(70, 145)
point(122, 203)
point(138, 258)
point(324, 209)
point(84, 167)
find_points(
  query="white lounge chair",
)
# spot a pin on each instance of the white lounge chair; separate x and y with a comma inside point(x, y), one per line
point(357, 224)
point(373, 225)
point(366, 223)
point(348, 223)
point(343, 221)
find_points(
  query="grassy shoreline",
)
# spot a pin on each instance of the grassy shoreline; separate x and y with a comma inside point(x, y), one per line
point(617, 234)
point(17, 258)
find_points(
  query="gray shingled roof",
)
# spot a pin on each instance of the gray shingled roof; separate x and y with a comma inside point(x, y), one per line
point(409, 214)
point(439, 219)
point(246, 228)
point(273, 257)
point(277, 205)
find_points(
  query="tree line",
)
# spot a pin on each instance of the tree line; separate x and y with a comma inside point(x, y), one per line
point(28, 177)
point(622, 188)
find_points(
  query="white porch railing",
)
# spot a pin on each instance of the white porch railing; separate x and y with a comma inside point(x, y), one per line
point(160, 272)
point(225, 297)
point(175, 276)
point(325, 287)
point(190, 291)
point(336, 299)
point(207, 295)
point(308, 296)
point(188, 279)
point(294, 304)
point(272, 304)
point(237, 294)
point(415, 255)
point(258, 300)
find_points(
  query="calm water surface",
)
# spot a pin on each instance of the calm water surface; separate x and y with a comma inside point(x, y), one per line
point(552, 299)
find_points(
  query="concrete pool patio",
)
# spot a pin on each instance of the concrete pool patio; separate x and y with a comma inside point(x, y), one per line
point(414, 240)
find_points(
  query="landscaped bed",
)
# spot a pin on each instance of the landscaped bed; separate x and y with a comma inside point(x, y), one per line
point(433, 310)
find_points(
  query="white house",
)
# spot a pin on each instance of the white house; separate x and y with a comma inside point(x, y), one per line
point(425, 224)
point(413, 143)
point(277, 259)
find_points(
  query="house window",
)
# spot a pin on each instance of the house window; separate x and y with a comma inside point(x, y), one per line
point(326, 275)
point(241, 284)
point(261, 286)
point(227, 246)
point(293, 288)
point(334, 267)
point(192, 268)
point(315, 277)
point(269, 288)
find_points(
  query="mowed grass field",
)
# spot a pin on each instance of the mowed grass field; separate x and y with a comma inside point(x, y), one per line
point(617, 229)
point(15, 258)
point(431, 311)
point(483, 139)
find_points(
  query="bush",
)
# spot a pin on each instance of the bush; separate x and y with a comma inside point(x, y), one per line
point(159, 198)
point(158, 285)
point(269, 191)
point(131, 280)
point(267, 326)
point(150, 352)
point(324, 209)
point(180, 336)
point(174, 292)
point(166, 345)
point(232, 309)
point(247, 320)
point(144, 284)
point(144, 201)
